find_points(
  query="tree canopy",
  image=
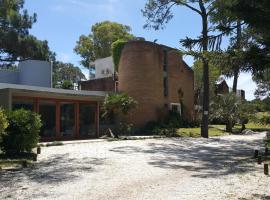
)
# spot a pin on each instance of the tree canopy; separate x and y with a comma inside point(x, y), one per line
point(16, 44)
point(66, 72)
point(98, 43)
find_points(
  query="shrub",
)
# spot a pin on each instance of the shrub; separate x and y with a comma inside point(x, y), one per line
point(3, 122)
point(22, 133)
point(68, 85)
point(265, 120)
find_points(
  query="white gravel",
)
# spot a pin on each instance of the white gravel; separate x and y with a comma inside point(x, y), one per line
point(184, 168)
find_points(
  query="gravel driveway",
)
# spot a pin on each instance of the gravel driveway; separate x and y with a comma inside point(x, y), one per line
point(183, 168)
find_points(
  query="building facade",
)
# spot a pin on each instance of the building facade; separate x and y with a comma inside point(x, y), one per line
point(65, 114)
point(157, 77)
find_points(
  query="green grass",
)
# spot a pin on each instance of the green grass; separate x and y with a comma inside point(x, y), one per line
point(196, 132)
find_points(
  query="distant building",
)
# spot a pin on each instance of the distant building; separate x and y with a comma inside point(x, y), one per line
point(101, 68)
point(223, 88)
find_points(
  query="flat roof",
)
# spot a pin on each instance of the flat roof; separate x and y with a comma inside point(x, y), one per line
point(52, 91)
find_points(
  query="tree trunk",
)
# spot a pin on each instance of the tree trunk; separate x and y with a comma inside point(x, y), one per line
point(239, 46)
point(235, 80)
point(205, 114)
point(229, 127)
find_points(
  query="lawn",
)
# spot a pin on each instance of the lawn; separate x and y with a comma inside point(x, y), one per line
point(196, 132)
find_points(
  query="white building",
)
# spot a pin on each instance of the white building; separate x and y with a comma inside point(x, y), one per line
point(101, 68)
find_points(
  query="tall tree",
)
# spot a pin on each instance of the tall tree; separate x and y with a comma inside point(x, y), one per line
point(66, 72)
point(256, 15)
point(98, 43)
point(225, 19)
point(159, 12)
point(16, 43)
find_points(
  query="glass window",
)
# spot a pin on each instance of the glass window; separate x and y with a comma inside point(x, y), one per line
point(87, 120)
point(47, 111)
point(27, 104)
point(67, 123)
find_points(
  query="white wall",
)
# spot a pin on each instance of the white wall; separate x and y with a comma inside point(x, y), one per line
point(104, 67)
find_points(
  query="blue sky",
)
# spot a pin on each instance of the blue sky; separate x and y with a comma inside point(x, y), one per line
point(61, 22)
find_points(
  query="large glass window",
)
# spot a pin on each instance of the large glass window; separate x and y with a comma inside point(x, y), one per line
point(67, 123)
point(87, 120)
point(47, 110)
point(27, 104)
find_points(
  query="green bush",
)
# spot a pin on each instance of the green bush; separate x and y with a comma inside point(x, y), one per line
point(68, 85)
point(3, 122)
point(265, 120)
point(22, 133)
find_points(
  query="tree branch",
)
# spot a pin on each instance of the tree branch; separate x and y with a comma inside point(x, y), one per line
point(188, 6)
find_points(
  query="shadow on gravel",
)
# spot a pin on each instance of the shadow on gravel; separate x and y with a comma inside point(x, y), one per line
point(206, 158)
point(57, 169)
point(257, 196)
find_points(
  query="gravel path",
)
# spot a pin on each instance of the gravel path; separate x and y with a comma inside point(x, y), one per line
point(184, 168)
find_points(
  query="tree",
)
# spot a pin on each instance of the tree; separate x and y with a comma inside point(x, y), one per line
point(118, 106)
point(159, 12)
point(66, 72)
point(228, 109)
point(16, 44)
point(67, 85)
point(98, 43)
point(263, 84)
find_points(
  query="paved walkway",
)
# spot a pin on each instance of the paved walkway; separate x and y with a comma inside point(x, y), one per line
point(183, 168)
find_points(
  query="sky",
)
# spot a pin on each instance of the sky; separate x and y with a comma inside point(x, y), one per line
point(61, 22)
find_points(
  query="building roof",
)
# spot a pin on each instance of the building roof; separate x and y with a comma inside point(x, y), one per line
point(51, 92)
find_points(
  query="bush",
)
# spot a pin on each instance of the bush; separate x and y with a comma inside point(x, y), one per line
point(3, 122)
point(265, 120)
point(22, 133)
point(68, 85)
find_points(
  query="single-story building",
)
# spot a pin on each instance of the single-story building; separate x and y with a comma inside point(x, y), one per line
point(65, 114)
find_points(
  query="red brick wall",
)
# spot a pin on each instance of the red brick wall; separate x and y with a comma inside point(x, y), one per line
point(141, 76)
point(103, 84)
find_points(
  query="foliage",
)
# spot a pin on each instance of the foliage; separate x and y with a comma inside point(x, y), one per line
point(98, 43)
point(15, 41)
point(68, 85)
point(66, 71)
point(22, 134)
point(228, 108)
point(117, 48)
point(265, 120)
point(214, 74)
point(3, 122)
point(119, 104)
point(262, 80)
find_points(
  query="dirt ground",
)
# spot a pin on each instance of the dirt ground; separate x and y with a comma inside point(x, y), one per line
point(182, 168)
